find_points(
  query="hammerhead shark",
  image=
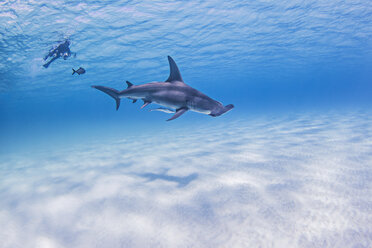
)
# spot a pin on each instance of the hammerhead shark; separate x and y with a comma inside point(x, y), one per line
point(173, 94)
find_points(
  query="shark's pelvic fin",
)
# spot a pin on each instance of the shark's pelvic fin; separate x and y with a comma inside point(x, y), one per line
point(145, 103)
point(174, 74)
point(165, 110)
point(178, 113)
point(134, 100)
point(111, 92)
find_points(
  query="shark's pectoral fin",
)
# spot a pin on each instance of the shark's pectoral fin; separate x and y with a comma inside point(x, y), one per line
point(145, 103)
point(174, 74)
point(178, 113)
point(165, 110)
point(134, 100)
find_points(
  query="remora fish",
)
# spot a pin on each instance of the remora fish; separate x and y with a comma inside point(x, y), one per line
point(173, 94)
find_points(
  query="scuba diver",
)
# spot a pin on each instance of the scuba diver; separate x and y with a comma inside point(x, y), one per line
point(62, 50)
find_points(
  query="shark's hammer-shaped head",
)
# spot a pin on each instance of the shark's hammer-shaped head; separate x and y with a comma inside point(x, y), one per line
point(220, 109)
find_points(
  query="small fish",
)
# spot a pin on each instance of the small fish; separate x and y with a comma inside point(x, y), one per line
point(78, 71)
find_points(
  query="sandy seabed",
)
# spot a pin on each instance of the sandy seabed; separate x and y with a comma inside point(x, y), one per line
point(300, 181)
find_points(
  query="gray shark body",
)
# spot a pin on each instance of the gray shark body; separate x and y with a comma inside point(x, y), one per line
point(173, 94)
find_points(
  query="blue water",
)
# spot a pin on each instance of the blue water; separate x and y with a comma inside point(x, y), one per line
point(289, 166)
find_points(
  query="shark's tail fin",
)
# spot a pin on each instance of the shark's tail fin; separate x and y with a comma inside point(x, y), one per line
point(111, 92)
point(73, 71)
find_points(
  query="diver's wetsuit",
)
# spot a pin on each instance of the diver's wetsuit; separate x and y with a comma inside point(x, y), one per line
point(62, 50)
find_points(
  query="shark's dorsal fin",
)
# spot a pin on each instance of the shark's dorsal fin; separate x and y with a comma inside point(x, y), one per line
point(129, 84)
point(174, 74)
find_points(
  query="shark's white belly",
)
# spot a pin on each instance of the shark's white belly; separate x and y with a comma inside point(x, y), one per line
point(168, 105)
point(173, 99)
point(194, 106)
point(202, 111)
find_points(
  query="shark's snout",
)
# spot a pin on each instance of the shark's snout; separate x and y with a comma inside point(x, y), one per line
point(229, 107)
point(222, 110)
